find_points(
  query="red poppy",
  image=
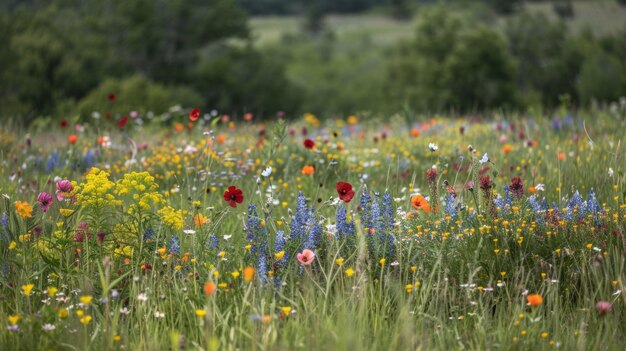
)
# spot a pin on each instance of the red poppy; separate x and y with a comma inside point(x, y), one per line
point(194, 114)
point(233, 196)
point(345, 191)
point(122, 122)
point(64, 123)
point(111, 97)
point(309, 144)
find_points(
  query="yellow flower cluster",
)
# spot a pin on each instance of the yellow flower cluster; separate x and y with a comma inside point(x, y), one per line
point(141, 186)
point(172, 217)
point(97, 190)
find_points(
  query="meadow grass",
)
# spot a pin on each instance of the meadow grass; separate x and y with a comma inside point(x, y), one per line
point(144, 253)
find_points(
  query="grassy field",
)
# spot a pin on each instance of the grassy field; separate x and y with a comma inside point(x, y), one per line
point(220, 234)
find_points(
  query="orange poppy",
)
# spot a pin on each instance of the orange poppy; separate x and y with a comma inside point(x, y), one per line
point(248, 273)
point(534, 300)
point(419, 203)
point(308, 170)
point(209, 288)
point(72, 139)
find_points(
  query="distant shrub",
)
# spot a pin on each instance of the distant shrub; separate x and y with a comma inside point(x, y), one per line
point(135, 94)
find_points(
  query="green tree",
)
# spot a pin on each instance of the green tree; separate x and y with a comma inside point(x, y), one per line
point(243, 79)
point(416, 67)
point(544, 69)
point(161, 38)
point(602, 78)
point(479, 71)
point(504, 6)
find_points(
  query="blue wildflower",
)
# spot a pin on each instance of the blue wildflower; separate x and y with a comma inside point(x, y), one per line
point(262, 267)
point(315, 237)
point(387, 211)
point(174, 245)
point(345, 229)
point(4, 220)
point(298, 225)
point(90, 159)
point(148, 234)
point(450, 208)
point(53, 162)
point(365, 207)
point(214, 242)
point(256, 233)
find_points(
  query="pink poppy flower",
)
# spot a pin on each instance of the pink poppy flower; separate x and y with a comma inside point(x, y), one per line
point(306, 257)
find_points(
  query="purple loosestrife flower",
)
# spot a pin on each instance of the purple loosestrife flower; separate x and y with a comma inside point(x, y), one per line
point(45, 200)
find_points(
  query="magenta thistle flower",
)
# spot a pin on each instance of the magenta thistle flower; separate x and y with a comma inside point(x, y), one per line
point(45, 200)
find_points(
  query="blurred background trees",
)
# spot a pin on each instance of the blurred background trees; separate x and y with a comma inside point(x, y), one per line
point(63, 57)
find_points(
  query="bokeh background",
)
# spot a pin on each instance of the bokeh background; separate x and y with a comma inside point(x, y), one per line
point(63, 58)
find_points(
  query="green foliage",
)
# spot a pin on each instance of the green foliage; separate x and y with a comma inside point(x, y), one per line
point(504, 6)
point(602, 78)
point(136, 94)
point(543, 65)
point(243, 79)
point(451, 65)
point(479, 71)
point(563, 8)
point(58, 52)
point(416, 68)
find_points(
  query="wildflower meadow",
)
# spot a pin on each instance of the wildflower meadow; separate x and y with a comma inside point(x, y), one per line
point(194, 230)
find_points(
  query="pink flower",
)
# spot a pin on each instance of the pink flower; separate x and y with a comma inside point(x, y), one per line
point(45, 200)
point(306, 257)
point(603, 307)
point(63, 187)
